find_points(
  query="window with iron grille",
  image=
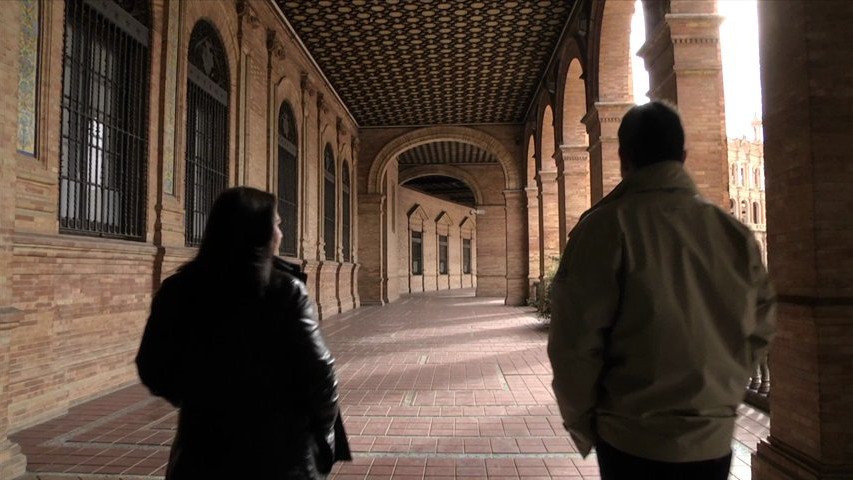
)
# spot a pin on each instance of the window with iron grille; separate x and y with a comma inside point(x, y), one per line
point(329, 202)
point(206, 173)
point(288, 172)
point(417, 253)
point(104, 130)
point(466, 255)
point(345, 212)
point(442, 254)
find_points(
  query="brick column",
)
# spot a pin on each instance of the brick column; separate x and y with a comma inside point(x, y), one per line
point(807, 90)
point(682, 55)
point(550, 229)
point(575, 165)
point(372, 277)
point(532, 237)
point(12, 462)
point(516, 260)
point(602, 125)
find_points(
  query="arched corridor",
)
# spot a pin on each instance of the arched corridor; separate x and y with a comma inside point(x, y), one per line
point(123, 119)
point(438, 385)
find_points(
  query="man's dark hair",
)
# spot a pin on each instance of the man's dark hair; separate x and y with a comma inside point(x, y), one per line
point(651, 133)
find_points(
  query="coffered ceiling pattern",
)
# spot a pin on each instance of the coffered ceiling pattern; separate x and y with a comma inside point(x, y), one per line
point(445, 152)
point(443, 187)
point(431, 62)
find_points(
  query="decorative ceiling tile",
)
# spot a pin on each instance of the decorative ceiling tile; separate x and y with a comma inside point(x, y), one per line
point(446, 153)
point(443, 187)
point(431, 62)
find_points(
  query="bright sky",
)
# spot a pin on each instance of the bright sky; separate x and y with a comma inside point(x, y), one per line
point(739, 46)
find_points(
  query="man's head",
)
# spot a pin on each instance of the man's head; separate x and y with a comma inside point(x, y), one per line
point(649, 134)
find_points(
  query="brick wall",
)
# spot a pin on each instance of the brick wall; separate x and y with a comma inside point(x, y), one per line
point(82, 300)
point(430, 280)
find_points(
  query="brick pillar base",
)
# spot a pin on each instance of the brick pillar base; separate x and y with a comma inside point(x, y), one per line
point(516, 260)
point(12, 462)
point(532, 238)
point(371, 274)
point(550, 231)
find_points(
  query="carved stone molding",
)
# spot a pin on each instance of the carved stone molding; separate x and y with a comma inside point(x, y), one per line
point(247, 13)
point(321, 103)
point(274, 45)
point(306, 85)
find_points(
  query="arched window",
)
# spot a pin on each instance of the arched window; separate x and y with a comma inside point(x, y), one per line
point(731, 206)
point(329, 202)
point(288, 174)
point(104, 130)
point(756, 213)
point(345, 212)
point(207, 127)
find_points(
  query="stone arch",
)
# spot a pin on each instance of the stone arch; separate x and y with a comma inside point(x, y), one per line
point(571, 58)
point(451, 171)
point(547, 140)
point(530, 162)
point(573, 131)
point(611, 51)
point(404, 142)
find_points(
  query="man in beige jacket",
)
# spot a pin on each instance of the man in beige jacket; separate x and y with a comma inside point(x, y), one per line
point(661, 307)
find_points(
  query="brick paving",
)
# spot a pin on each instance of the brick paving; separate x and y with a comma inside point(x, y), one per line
point(434, 386)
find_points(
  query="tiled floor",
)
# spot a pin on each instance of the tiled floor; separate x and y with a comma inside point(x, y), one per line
point(433, 386)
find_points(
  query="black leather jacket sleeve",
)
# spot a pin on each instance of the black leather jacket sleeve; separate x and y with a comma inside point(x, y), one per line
point(313, 359)
point(158, 359)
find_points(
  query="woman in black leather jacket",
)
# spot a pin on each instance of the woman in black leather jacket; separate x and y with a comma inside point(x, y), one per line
point(233, 343)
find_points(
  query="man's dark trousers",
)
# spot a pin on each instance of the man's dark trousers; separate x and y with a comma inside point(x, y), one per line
point(617, 465)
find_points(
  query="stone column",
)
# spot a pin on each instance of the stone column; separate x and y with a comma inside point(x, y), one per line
point(516, 260)
point(532, 237)
point(550, 229)
point(602, 125)
point(683, 55)
point(575, 162)
point(372, 277)
point(807, 90)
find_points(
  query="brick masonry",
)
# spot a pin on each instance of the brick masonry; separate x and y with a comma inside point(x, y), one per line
point(72, 307)
point(807, 90)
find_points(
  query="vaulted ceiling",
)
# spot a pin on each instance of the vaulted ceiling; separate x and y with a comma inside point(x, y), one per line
point(431, 62)
point(443, 187)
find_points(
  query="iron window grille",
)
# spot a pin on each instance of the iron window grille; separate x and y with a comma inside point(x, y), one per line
point(466, 255)
point(206, 173)
point(442, 254)
point(104, 113)
point(417, 253)
point(329, 203)
point(345, 212)
point(288, 208)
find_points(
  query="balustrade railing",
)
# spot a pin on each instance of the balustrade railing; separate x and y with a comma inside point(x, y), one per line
point(758, 389)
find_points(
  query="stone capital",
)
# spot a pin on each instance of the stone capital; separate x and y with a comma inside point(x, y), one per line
point(274, 45)
point(547, 176)
point(515, 197)
point(248, 14)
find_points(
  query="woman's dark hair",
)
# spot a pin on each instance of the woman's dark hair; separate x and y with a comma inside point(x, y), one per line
point(652, 133)
point(238, 235)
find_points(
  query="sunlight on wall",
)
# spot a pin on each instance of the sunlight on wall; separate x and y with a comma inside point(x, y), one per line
point(638, 66)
